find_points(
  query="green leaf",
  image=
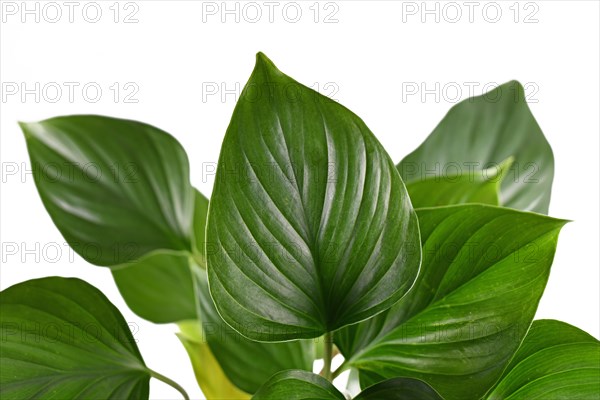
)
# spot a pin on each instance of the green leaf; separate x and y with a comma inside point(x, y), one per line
point(481, 132)
point(472, 187)
point(246, 363)
point(297, 385)
point(209, 374)
point(399, 389)
point(119, 192)
point(199, 230)
point(63, 339)
point(484, 271)
point(309, 221)
point(158, 287)
point(555, 361)
point(116, 189)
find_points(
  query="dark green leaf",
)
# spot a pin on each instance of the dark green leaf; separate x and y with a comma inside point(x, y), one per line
point(471, 187)
point(158, 287)
point(484, 271)
point(246, 363)
point(481, 132)
point(399, 389)
point(555, 361)
point(116, 189)
point(63, 339)
point(297, 385)
point(310, 227)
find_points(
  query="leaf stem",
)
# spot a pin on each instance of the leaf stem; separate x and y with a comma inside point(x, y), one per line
point(339, 370)
point(328, 356)
point(169, 382)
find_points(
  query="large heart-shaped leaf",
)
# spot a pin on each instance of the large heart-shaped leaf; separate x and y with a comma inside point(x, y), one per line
point(555, 361)
point(116, 189)
point(298, 385)
point(484, 271)
point(399, 389)
point(246, 363)
point(310, 227)
point(63, 339)
point(479, 133)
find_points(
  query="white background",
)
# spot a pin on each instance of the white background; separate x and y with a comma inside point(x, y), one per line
point(175, 53)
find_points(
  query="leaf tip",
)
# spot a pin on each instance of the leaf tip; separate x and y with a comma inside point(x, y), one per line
point(264, 62)
point(261, 57)
point(24, 127)
point(516, 88)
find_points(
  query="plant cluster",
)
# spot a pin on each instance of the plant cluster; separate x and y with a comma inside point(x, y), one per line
point(424, 276)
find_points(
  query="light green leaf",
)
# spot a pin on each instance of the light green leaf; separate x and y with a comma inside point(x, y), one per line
point(481, 132)
point(212, 380)
point(116, 189)
point(475, 186)
point(555, 361)
point(246, 363)
point(310, 227)
point(484, 271)
point(63, 339)
point(158, 287)
point(298, 385)
point(399, 389)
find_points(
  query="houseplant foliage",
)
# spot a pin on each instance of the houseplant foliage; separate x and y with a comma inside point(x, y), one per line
point(424, 275)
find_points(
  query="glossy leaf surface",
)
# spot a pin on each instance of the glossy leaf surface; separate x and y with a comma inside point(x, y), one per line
point(63, 339)
point(297, 385)
point(399, 389)
point(246, 363)
point(116, 189)
point(483, 131)
point(310, 227)
point(555, 361)
point(484, 271)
